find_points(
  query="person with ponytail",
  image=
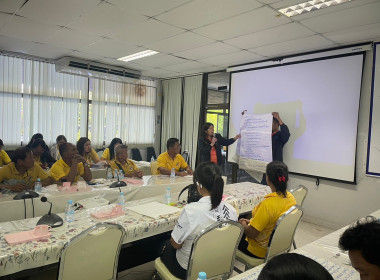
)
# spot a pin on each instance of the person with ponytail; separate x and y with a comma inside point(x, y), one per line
point(197, 216)
point(258, 229)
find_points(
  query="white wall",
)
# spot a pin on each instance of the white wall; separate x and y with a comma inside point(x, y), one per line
point(334, 204)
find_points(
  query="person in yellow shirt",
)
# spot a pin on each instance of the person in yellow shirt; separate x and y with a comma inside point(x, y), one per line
point(70, 166)
point(41, 153)
point(258, 229)
point(122, 162)
point(109, 153)
point(172, 159)
point(85, 150)
point(23, 171)
point(4, 158)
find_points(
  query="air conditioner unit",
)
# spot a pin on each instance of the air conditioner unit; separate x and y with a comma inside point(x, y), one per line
point(75, 66)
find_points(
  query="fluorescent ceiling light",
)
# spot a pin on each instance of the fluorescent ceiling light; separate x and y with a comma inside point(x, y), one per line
point(310, 6)
point(137, 55)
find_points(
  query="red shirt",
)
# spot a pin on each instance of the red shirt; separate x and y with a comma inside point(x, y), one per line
point(213, 157)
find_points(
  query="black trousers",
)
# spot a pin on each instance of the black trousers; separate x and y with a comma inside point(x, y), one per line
point(243, 245)
point(168, 257)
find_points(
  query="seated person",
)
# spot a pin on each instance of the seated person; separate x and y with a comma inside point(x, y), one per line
point(362, 241)
point(196, 216)
point(123, 163)
point(23, 172)
point(70, 166)
point(258, 230)
point(85, 150)
point(109, 153)
point(41, 154)
point(172, 159)
point(54, 151)
point(4, 158)
point(34, 137)
point(292, 266)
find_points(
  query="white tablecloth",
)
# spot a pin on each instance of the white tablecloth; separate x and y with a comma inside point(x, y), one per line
point(14, 258)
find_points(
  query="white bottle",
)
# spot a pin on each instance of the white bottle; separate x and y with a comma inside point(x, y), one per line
point(172, 174)
point(38, 185)
point(168, 196)
point(121, 200)
point(202, 276)
point(69, 212)
point(109, 174)
point(121, 174)
point(152, 159)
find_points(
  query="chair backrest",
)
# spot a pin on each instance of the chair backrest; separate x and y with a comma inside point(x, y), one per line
point(185, 155)
point(92, 254)
point(153, 167)
point(136, 155)
point(150, 152)
point(213, 250)
point(282, 235)
point(299, 194)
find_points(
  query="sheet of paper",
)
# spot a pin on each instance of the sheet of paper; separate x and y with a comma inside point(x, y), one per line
point(154, 209)
point(255, 146)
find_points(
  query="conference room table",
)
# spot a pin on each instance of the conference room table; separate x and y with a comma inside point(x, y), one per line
point(151, 185)
point(325, 251)
point(14, 258)
point(143, 166)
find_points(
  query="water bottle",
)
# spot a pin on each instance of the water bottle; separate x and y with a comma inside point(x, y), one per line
point(116, 175)
point(121, 174)
point(202, 276)
point(38, 185)
point(121, 200)
point(69, 212)
point(172, 174)
point(109, 174)
point(152, 159)
point(168, 196)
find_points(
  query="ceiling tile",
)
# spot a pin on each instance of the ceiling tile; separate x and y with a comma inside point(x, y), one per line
point(56, 12)
point(10, 6)
point(366, 14)
point(106, 19)
point(47, 51)
point(111, 49)
point(232, 58)
point(256, 20)
point(217, 48)
point(148, 7)
point(293, 47)
point(270, 36)
point(199, 13)
point(4, 18)
point(181, 42)
point(356, 34)
point(160, 60)
point(187, 66)
point(146, 32)
point(14, 45)
point(27, 29)
point(86, 56)
point(77, 40)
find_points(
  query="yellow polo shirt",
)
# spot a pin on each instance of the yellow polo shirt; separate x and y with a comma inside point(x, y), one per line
point(165, 161)
point(128, 167)
point(106, 154)
point(37, 159)
point(61, 169)
point(4, 158)
point(9, 171)
point(264, 218)
point(91, 157)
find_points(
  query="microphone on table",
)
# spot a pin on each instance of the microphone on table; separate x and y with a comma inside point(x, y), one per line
point(119, 183)
point(50, 219)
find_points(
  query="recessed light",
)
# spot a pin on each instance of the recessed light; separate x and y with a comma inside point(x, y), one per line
point(137, 55)
point(309, 6)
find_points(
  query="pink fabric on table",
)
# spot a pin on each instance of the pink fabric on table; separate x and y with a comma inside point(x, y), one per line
point(25, 236)
point(134, 181)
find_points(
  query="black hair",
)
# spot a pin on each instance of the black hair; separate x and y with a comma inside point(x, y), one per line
point(39, 142)
point(111, 147)
point(20, 153)
point(277, 172)
point(60, 137)
point(80, 145)
point(205, 127)
point(34, 137)
point(208, 174)
point(171, 142)
point(291, 266)
point(276, 121)
point(1, 143)
point(64, 147)
point(364, 237)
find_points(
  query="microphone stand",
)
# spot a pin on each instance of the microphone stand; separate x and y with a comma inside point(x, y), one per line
point(50, 218)
point(119, 183)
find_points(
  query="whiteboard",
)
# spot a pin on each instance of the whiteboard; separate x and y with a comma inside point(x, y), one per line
point(373, 153)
